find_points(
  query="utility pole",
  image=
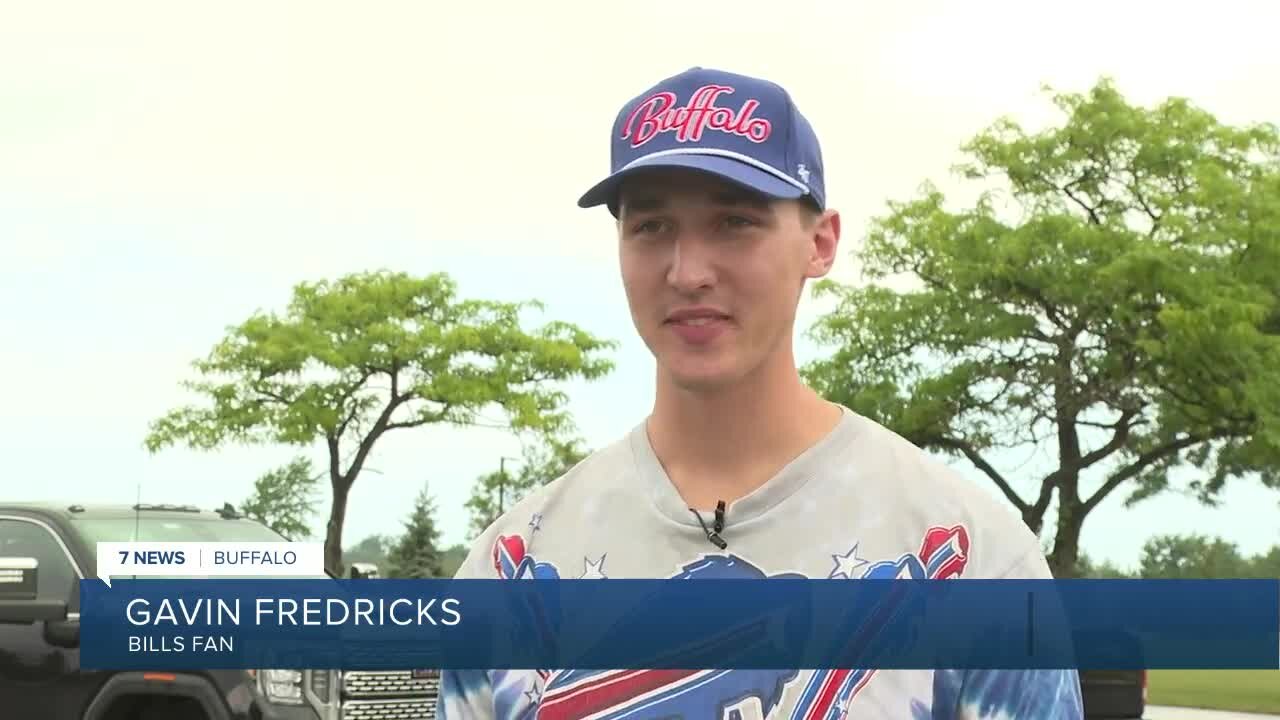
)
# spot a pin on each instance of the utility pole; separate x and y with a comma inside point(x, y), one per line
point(502, 481)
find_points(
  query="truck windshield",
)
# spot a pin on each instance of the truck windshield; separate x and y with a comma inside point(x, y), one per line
point(176, 529)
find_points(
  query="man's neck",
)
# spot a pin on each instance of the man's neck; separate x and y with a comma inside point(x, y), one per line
point(722, 445)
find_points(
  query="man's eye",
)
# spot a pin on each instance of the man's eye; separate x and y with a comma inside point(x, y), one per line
point(738, 221)
point(648, 226)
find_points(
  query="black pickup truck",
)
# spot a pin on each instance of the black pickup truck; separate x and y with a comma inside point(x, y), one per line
point(46, 549)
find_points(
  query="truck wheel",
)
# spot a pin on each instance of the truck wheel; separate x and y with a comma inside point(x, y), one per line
point(181, 710)
point(168, 708)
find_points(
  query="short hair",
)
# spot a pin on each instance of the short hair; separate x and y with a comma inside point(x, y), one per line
point(810, 213)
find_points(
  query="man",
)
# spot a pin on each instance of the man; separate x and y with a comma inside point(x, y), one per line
point(740, 469)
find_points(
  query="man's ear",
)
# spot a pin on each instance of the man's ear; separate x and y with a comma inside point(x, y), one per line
point(824, 242)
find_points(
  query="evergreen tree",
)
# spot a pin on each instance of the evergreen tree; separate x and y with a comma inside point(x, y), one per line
point(415, 555)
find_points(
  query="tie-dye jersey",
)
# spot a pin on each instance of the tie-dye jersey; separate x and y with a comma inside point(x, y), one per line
point(861, 503)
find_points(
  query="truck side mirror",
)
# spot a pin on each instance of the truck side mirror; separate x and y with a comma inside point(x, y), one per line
point(63, 633)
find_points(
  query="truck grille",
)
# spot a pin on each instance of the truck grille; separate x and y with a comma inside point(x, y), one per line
point(389, 684)
point(422, 709)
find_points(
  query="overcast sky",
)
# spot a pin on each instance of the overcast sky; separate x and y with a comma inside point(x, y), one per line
point(166, 169)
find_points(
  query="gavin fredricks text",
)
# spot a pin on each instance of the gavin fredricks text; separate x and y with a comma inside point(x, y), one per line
point(296, 612)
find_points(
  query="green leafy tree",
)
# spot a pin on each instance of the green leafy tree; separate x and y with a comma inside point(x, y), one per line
point(1266, 565)
point(285, 499)
point(1105, 570)
point(541, 463)
point(1195, 557)
point(1111, 299)
point(373, 549)
point(452, 559)
point(353, 359)
point(415, 554)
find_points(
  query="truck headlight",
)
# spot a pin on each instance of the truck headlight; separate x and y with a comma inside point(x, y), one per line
point(283, 687)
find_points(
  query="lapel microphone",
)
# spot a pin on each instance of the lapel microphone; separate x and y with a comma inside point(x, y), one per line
point(713, 532)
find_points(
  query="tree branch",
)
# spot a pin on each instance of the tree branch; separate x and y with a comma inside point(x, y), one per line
point(1117, 441)
point(1203, 404)
point(1038, 297)
point(379, 427)
point(1156, 217)
point(272, 396)
point(335, 468)
point(1108, 426)
point(414, 423)
point(1144, 461)
point(1041, 505)
point(986, 467)
point(346, 422)
point(1093, 213)
point(347, 397)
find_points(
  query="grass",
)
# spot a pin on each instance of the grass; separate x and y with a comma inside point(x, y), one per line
point(1240, 690)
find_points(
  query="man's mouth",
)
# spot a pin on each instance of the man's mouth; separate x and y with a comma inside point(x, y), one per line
point(698, 321)
point(698, 326)
point(696, 316)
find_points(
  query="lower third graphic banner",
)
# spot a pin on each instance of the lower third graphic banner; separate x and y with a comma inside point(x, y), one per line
point(731, 624)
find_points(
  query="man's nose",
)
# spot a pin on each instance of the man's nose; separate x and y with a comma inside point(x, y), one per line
point(691, 263)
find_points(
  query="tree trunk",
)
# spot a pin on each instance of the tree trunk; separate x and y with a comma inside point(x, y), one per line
point(333, 531)
point(1066, 543)
point(1033, 518)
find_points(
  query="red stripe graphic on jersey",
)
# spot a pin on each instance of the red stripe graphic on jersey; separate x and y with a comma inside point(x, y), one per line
point(827, 694)
point(607, 691)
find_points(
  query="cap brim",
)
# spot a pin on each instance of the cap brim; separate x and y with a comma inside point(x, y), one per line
point(735, 171)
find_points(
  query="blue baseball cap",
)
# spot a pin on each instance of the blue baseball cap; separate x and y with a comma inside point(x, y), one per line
point(742, 129)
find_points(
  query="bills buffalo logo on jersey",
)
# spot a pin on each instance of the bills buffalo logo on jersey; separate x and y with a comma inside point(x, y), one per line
point(725, 694)
point(943, 555)
point(513, 563)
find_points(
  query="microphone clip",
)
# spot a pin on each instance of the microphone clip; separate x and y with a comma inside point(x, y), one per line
point(713, 532)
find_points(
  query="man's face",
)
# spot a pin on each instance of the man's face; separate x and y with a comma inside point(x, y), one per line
point(713, 273)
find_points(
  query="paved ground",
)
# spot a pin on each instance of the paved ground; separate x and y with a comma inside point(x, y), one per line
point(1172, 713)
